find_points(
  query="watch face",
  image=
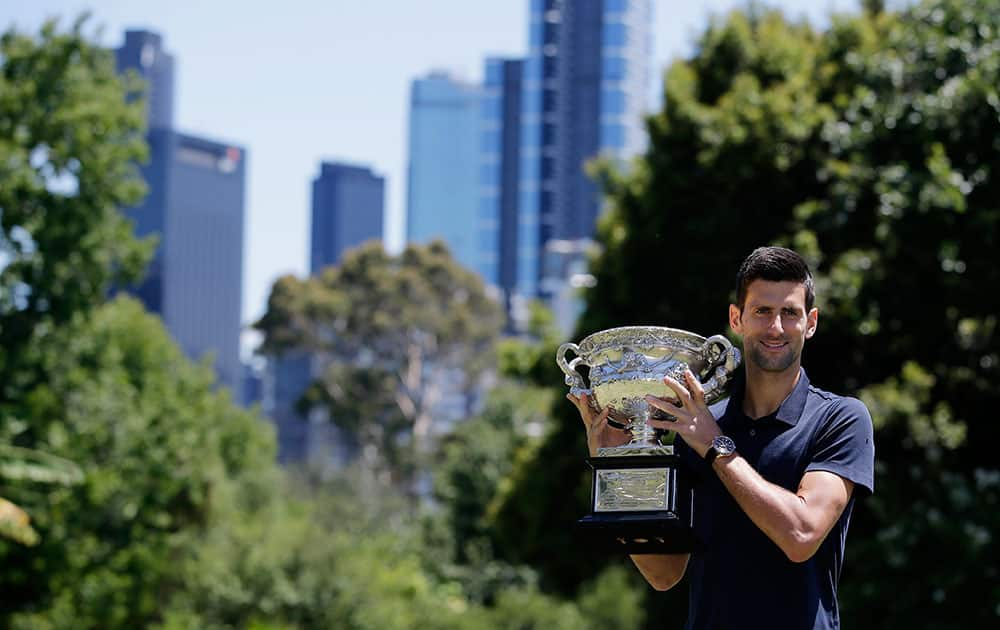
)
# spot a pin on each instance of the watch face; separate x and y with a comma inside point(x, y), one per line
point(724, 445)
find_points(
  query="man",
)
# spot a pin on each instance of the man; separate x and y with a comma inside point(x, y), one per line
point(781, 463)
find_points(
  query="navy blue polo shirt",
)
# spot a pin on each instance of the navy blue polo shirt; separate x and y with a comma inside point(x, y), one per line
point(742, 579)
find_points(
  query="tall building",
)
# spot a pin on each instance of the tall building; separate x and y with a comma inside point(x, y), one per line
point(443, 170)
point(287, 378)
point(195, 207)
point(143, 52)
point(583, 96)
point(347, 210)
point(203, 251)
point(499, 173)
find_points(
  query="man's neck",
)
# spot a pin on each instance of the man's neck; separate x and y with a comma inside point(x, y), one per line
point(765, 391)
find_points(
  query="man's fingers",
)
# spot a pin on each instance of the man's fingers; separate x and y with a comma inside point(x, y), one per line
point(681, 425)
point(601, 419)
point(682, 393)
point(667, 425)
point(694, 385)
point(573, 399)
point(663, 404)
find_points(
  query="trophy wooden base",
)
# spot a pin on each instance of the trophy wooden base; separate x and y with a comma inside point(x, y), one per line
point(640, 504)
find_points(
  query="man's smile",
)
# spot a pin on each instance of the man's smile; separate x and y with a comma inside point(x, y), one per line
point(773, 345)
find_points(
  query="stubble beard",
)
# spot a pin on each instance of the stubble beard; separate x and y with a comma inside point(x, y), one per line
point(768, 363)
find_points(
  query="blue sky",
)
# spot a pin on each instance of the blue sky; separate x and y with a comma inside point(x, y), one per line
point(299, 81)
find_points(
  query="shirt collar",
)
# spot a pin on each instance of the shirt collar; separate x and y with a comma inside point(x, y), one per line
point(790, 409)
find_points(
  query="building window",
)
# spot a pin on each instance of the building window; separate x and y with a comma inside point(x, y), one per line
point(612, 102)
point(614, 68)
point(612, 136)
point(615, 35)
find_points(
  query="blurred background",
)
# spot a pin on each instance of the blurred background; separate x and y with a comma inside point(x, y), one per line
point(281, 287)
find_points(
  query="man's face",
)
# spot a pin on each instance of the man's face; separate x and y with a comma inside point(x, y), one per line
point(774, 324)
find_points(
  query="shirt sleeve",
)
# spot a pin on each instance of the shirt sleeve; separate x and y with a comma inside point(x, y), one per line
point(845, 445)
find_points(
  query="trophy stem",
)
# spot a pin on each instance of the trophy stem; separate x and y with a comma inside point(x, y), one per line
point(642, 433)
point(643, 440)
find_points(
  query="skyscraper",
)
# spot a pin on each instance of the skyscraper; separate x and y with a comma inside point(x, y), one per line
point(195, 206)
point(443, 171)
point(499, 173)
point(583, 96)
point(203, 251)
point(347, 209)
point(143, 52)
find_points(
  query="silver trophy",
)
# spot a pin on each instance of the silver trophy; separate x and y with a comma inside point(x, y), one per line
point(642, 497)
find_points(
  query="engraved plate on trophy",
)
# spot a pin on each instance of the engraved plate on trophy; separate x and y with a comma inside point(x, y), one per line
point(632, 490)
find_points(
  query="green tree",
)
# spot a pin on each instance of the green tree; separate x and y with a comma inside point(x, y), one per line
point(20, 469)
point(906, 237)
point(159, 451)
point(870, 147)
point(392, 332)
point(69, 144)
point(473, 463)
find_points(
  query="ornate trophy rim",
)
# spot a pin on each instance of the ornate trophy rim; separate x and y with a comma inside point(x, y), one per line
point(657, 335)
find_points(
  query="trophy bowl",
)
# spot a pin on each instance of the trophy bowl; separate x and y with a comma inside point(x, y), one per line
point(628, 363)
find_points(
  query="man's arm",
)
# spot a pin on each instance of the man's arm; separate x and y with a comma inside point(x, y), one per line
point(661, 571)
point(797, 522)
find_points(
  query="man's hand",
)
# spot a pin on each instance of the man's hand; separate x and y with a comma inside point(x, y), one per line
point(599, 432)
point(693, 421)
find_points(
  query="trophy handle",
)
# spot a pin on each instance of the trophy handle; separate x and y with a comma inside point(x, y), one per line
point(727, 361)
point(573, 378)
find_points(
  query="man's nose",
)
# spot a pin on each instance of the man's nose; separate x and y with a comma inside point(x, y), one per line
point(775, 324)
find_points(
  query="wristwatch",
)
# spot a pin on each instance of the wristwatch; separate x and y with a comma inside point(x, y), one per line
point(722, 446)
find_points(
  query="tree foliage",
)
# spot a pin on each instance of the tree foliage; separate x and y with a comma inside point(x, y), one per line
point(28, 466)
point(393, 332)
point(157, 448)
point(872, 148)
point(69, 144)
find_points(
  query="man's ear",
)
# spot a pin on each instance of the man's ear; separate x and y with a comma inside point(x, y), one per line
point(812, 320)
point(734, 319)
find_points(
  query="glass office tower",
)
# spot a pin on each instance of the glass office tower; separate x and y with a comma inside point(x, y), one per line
point(443, 170)
point(203, 250)
point(348, 203)
point(583, 96)
point(143, 52)
point(195, 206)
point(499, 174)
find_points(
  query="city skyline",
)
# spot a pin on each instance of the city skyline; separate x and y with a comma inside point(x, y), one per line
point(329, 81)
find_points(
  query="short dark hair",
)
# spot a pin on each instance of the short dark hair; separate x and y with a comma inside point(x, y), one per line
point(774, 264)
